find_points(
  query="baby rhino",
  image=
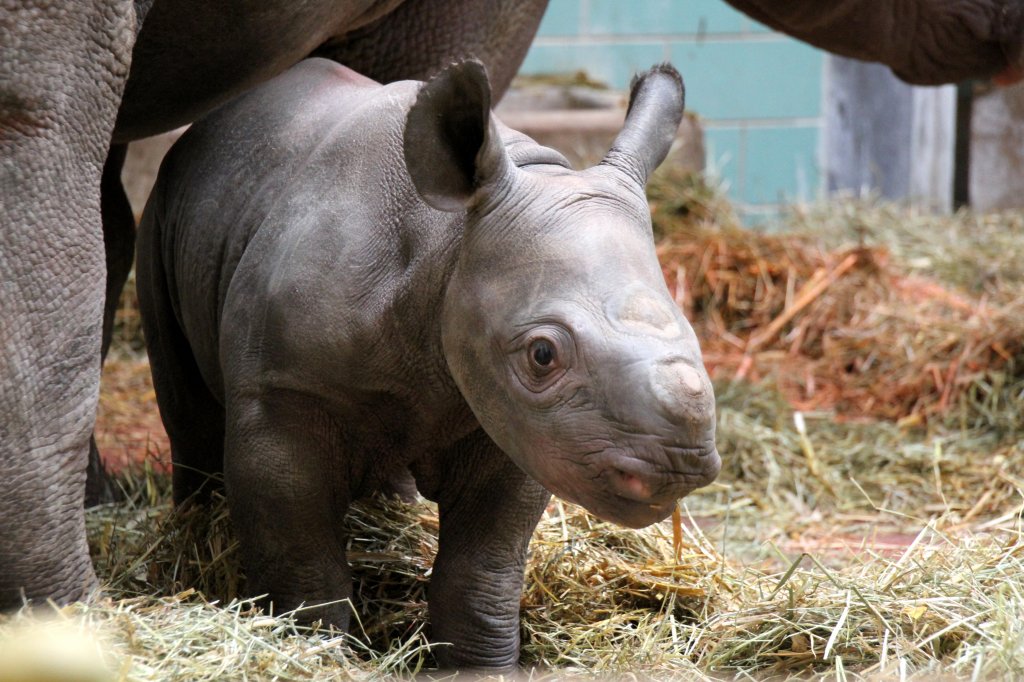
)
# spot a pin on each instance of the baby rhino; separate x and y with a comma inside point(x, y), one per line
point(349, 287)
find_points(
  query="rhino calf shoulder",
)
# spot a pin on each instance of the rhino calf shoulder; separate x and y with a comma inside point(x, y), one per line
point(342, 283)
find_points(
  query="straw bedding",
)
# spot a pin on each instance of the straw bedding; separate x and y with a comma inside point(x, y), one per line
point(865, 525)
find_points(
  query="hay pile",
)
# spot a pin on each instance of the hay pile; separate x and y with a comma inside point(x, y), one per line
point(835, 548)
point(604, 600)
point(848, 312)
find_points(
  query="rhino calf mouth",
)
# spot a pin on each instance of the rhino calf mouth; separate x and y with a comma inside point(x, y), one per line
point(629, 486)
point(639, 482)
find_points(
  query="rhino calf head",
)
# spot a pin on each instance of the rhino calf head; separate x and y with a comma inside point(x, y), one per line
point(557, 324)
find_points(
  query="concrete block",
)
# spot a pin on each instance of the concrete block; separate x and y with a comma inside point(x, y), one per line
point(997, 149)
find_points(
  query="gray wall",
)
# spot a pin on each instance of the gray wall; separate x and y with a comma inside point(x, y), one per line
point(885, 137)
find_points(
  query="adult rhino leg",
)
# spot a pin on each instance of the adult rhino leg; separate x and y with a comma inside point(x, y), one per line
point(61, 79)
point(489, 508)
point(420, 37)
point(119, 246)
point(99, 486)
point(118, 237)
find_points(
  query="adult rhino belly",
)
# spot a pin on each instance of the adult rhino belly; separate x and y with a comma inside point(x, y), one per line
point(192, 56)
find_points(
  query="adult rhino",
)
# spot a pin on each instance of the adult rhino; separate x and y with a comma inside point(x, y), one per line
point(79, 79)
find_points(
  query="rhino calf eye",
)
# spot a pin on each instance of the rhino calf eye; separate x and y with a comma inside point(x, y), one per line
point(542, 352)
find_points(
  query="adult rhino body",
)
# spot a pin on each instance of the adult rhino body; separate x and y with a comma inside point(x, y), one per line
point(75, 76)
point(342, 283)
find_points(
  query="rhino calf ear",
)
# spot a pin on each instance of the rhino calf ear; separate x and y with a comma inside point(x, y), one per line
point(656, 101)
point(450, 145)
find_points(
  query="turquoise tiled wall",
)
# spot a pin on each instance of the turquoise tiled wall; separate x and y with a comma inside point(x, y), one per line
point(758, 92)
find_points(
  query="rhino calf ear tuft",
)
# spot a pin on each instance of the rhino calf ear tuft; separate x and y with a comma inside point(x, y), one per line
point(445, 130)
point(664, 69)
point(656, 102)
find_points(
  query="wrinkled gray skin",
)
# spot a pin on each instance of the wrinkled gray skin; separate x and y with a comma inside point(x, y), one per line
point(68, 71)
point(351, 282)
point(64, 67)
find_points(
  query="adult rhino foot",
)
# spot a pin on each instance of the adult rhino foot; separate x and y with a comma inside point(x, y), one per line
point(44, 556)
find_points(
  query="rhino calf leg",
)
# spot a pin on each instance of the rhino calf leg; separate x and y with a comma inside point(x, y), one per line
point(489, 508)
point(287, 494)
point(193, 417)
